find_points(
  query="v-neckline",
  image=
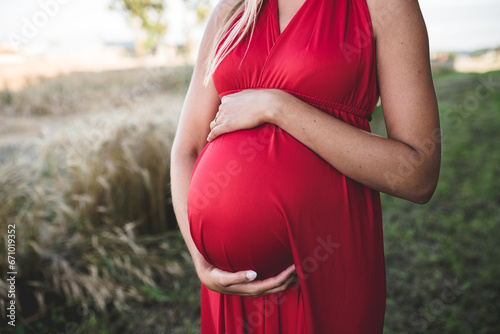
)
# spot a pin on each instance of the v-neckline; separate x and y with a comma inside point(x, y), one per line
point(277, 17)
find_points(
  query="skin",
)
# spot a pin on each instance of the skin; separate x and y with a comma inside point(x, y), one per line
point(405, 164)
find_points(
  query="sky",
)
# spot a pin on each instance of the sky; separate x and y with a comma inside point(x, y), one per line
point(462, 25)
point(35, 25)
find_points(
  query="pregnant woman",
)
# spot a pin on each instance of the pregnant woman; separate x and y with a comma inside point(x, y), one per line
point(280, 208)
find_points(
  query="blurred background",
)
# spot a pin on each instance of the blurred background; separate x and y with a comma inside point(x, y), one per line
point(90, 95)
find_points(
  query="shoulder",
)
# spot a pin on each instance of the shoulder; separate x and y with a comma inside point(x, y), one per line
point(221, 12)
point(387, 15)
point(229, 3)
point(218, 17)
point(225, 7)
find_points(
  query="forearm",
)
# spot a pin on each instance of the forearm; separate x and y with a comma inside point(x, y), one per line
point(182, 165)
point(380, 163)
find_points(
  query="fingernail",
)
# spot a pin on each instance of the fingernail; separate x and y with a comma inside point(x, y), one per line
point(251, 275)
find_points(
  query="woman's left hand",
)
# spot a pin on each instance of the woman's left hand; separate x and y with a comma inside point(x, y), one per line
point(246, 109)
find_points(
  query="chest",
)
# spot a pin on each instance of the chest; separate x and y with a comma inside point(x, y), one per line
point(320, 48)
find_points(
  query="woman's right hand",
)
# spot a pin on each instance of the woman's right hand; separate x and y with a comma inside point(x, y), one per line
point(242, 283)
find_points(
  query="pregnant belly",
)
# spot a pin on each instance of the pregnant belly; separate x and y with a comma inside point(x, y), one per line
point(244, 188)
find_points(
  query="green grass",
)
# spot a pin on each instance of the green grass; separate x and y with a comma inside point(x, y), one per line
point(452, 240)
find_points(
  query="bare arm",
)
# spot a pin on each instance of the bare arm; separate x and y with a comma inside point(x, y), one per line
point(200, 105)
point(199, 109)
point(406, 164)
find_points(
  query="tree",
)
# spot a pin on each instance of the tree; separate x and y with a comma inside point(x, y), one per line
point(201, 7)
point(147, 19)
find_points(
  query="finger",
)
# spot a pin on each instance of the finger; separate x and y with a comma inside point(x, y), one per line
point(258, 288)
point(283, 276)
point(227, 279)
point(282, 279)
point(216, 131)
point(215, 122)
point(292, 279)
point(212, 135)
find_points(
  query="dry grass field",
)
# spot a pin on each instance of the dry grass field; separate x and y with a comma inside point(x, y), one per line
point(84, 178)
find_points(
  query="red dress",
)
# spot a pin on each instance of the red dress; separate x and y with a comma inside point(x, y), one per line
point(261, 200)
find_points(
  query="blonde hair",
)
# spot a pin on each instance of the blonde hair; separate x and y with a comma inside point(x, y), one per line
point(232, 34)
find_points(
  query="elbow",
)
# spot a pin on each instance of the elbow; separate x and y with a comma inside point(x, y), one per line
point(424, 190)
point(423, 197)
point(183, 148)
point(418, 191)
point(421, 184)
point(419, 188)
point(422, 200)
